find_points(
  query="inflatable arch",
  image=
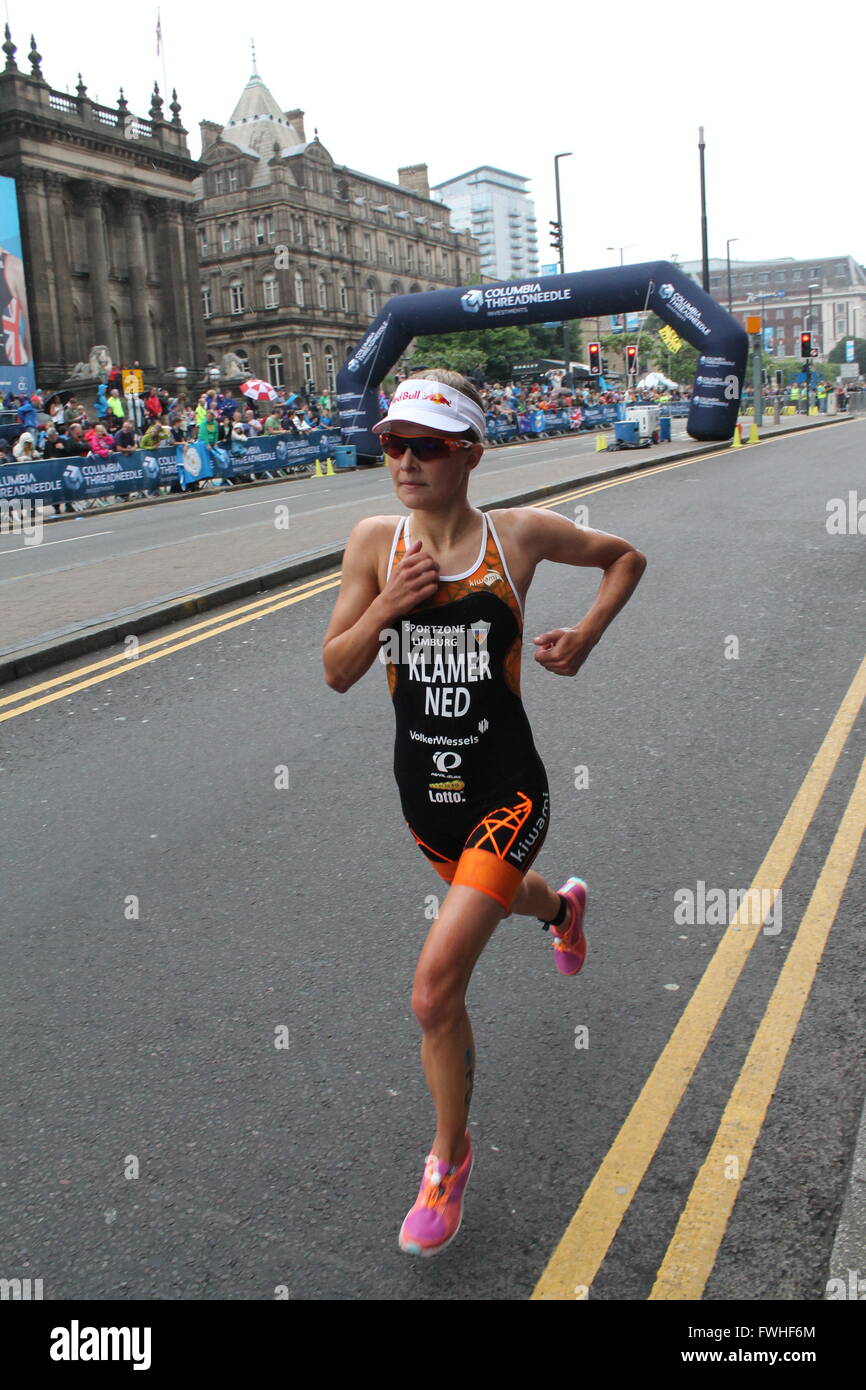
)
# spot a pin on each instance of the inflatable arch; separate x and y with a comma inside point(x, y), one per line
point(656, 285)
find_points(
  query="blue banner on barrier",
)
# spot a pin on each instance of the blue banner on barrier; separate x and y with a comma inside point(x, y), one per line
point(147, 470)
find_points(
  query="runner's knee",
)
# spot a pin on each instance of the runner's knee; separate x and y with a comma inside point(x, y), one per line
point(437, 999)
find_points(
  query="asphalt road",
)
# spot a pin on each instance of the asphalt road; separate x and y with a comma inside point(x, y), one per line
point(169, 910)
point(95, 564)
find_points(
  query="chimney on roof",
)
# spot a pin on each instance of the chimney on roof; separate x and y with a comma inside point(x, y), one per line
point(296, 118)
point(414, 179)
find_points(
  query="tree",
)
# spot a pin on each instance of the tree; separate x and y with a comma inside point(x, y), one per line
point(838, 353)
point(497, 349)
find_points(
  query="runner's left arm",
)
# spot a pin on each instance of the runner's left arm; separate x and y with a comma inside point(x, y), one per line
point(547, 536)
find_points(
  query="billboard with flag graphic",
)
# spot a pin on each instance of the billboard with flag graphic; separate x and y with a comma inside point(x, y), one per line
point(16, 350)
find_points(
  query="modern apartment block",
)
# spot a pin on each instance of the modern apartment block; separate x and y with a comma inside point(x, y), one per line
point(496, 208)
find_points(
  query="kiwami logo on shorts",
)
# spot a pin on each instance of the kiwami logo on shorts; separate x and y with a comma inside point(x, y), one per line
point(76, 1343)
point(472, 301)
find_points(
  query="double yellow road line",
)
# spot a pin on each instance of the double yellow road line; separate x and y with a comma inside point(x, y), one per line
point(692, 1252)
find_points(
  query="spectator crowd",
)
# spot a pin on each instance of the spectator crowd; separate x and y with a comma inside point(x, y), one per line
point(64, 428)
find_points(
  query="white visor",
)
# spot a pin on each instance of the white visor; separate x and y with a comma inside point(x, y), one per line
point(431, 403)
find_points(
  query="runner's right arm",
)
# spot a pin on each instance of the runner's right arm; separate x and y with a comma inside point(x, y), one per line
point(362, 611)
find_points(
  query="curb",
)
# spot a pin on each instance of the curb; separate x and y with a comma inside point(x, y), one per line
point(112, 630)
point(848, 1260)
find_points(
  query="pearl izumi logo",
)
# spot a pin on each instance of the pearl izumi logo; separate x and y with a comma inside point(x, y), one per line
point(77, 1343)
point(447, 761)
point(452, 788)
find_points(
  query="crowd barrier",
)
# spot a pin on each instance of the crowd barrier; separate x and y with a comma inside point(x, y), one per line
point(148, 470)
point(552, 422)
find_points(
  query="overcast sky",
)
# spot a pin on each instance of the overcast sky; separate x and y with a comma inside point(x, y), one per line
point(624, 86)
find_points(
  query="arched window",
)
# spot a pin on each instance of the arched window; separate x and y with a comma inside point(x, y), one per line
point(299, 289)
point(275, 367)
point(271, 292)
point(396, 287)
point(206, 306)
point(414, 289)
point(344, 295)
point(307, 355)
point(236, 296)
point(244, 358)
point(323, 293)
point(372, 306)
point(330, 370)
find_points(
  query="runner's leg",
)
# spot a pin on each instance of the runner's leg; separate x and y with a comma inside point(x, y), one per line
point(535, 898)
point(466, 922)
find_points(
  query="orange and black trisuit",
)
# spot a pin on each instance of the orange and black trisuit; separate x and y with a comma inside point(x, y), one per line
point(472, 786)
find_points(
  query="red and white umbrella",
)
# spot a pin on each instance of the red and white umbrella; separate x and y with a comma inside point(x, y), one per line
point(259, 390)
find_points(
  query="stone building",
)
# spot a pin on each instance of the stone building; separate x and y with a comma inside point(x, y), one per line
point(107, 225)
point(297, 253)
point(825, 296)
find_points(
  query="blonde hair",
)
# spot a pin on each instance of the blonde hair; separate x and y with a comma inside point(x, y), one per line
point(448, 378)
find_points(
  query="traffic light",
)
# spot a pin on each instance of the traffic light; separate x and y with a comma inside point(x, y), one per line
point(631, 358)
point(594, 350)
point(556, 235)
point(604, 366)
point(805, 344)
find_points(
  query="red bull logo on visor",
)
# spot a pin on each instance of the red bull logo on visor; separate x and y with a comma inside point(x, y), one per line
point(438, 398)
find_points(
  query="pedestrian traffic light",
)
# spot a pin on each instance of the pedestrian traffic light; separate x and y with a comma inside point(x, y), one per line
point(556, 235)
point(805, 344)
point(631, 358)
point(594, 351)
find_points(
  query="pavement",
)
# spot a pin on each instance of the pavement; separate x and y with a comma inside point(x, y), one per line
point(229, 568)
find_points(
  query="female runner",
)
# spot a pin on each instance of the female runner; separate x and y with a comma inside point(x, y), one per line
point(443, 589)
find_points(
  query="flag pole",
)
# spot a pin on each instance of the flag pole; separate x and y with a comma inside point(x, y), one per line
point(160, 48)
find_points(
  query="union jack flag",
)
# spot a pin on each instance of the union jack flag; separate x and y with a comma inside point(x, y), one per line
point(15, 333)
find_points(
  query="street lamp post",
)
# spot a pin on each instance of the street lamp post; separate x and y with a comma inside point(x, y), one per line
point(705, 260)
point(621, 249)
point(730, 295)
point(567, 154)
point(812, 287)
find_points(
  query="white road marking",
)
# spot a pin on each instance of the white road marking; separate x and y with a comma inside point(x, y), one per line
point(262, 502)
point(42, 544)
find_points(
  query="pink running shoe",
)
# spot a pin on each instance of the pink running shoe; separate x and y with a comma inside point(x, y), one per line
point(435, 1218)
point(569, 943)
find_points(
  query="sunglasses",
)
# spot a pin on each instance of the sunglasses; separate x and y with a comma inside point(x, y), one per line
point(427, 449)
